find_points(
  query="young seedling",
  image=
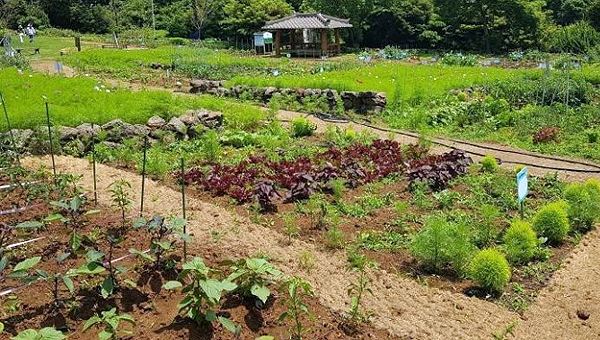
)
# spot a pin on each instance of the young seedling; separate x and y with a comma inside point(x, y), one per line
point(202, 294)
point(121, 197)
point(21, 271)
point(160, 245)
point(111, 321)
point(356, 290)
point(252, 277)
point(298, 291)
point(56, 279)
point(48, 333)
point(290, 227)
point(73, 208)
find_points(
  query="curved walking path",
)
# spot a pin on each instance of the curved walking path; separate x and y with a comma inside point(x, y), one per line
point(537, 163)
point(399, 305)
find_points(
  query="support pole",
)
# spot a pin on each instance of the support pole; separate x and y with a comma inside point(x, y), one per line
point(50, 140)
point(12, 136)
point(94, 166)
point(183, 207)
point(143, 174)
point(324, 42)
point(278, 43)
point(338, 41)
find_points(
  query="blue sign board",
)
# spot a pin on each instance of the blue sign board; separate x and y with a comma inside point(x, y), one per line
point(522, 184)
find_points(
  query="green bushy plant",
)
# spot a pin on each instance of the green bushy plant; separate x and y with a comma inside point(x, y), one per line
point(441, 243)
point(489, 164)
point(490, 270)
point(48, 333)
point(520, 242)
point(584, 204)
point(253, 276)
point(302, 127)
point(552, 222)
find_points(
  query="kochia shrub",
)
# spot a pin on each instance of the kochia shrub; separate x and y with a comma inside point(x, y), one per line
point(584, 204)
point(441, 244)
point(489, 164)
point(520, 242)
point(302, 127)
point(552, 222)
point(490, 270)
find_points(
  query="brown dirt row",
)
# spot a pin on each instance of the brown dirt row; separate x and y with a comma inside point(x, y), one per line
point(509, 158)
point(399, 305)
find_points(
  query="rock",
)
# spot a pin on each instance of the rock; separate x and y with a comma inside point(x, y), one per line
point(87, 130)
point(156, 122)
point(269, 92)
point(197, 130)
point(22, 138)
point(212, 120)
point(111, 145)
point(136, 130)
point(176, 125)
point(66, 133)
point(582, 314)
point(113, 124)
point(190, 118)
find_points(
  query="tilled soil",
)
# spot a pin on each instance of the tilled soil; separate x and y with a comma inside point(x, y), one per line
point(399, 305)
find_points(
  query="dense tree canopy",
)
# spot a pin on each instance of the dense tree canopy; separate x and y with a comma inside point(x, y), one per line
point(482, 25)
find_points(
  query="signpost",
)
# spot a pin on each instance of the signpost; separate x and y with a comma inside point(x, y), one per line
point(522, 187)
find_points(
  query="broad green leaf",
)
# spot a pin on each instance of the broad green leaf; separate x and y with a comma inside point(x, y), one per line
point(177, 223)
point(105, 335)
point(229, 325)
point(196, 264)
point(210, 316)
point(3, 262)
point(90, 269)
point(92, 212)
point(184, 237)
point(28, 334)
point(260, 292)
point(172, 285)
point(27, 264)
point(76, 203)
point(75, 241)
point(265, 337)
point(165, 245)
point(54, 218)
point(185, 302)
point(130, 283)
point(61, 205)
point(228, 285)
point(50, 333)
point(139, 222)
point(68, 283)
point(127, 318)
point(142, 255)
point(94, 256)
point(60, 258)
point(18, 274)
point(30, 225)
point(1, 327)
point(90, 322)
point(212, 289)
point(107, 287)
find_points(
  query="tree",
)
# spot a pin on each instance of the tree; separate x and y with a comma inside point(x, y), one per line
point(202, 9)
point(245, 17)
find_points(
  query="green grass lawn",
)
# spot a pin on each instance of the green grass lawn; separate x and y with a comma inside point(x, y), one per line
point(50, 47)
point(78, 100)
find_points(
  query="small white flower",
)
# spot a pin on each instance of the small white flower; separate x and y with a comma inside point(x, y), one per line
point(107, 91)
point(31, 76)
point(96, 88)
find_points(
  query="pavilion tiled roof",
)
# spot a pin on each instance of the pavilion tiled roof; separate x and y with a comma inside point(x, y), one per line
point(308, 21)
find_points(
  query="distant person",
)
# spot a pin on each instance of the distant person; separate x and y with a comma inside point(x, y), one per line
point(21, 31)
point(31, 33)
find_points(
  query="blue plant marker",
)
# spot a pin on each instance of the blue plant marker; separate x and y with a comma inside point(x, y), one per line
point(523, 188)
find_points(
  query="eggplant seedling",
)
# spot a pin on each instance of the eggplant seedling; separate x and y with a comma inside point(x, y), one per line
point(202, 294)
point(48, 333)
point(253, 277)
point(298, 291)
point(111, 321)
point(121, 197)
point(57, 279)
point(160, 245)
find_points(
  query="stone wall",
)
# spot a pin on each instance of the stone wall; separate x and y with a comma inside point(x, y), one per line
point(77, 141)
point(361, 102)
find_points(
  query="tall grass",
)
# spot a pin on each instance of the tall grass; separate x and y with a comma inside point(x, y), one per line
point(74, 101)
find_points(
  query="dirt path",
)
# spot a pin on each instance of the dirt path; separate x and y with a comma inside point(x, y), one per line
point(536, 162)
point(401, 306)
point(47, 66)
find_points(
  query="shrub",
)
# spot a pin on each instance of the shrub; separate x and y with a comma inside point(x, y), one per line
point(301, 127)
point(584, 204)
point(552, 222)
point(489, 164)
point(440, 244)
point(547, 134)
point(490, 270)
point(520, 241)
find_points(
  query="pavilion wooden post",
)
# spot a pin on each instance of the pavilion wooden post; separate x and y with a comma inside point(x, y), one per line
point(278, 43)
point(324, 42)
point(292, 40)
point(337, 41)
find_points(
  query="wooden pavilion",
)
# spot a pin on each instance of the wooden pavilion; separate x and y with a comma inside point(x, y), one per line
point(307, 34)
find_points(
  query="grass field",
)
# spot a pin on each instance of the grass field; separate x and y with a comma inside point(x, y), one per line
point(84, 100)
